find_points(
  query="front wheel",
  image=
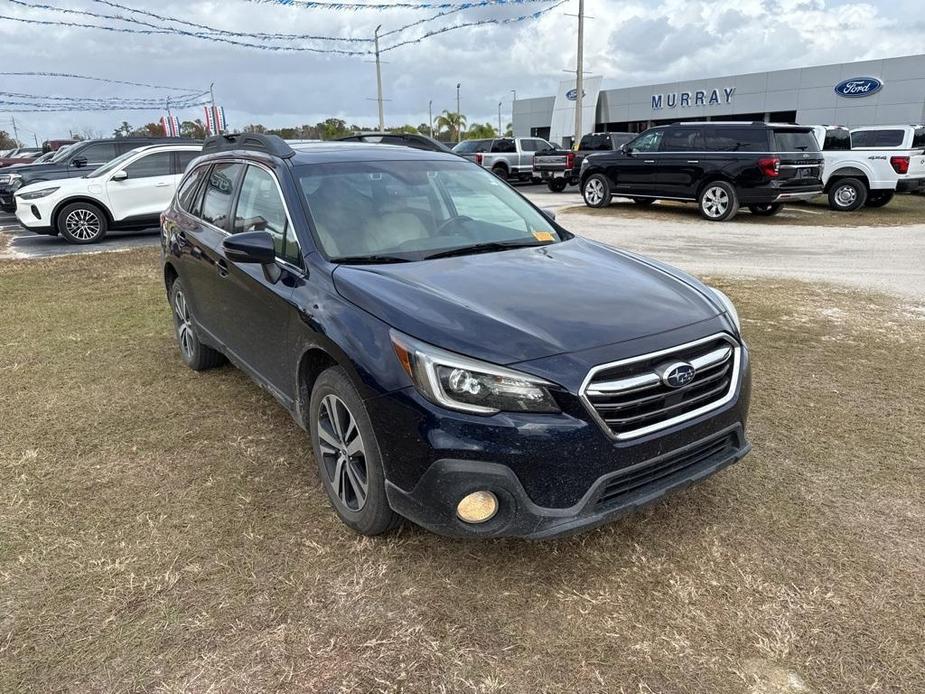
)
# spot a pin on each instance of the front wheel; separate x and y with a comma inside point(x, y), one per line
point(847, 195)
point(81, 223)
point(879, 198)
point(766, 210)
point(718, 202)
point(596, 191)
point(556, 185)
point(347, 452)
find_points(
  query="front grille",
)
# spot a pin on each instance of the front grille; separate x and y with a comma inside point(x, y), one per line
point(633, 397)
point(640, 479)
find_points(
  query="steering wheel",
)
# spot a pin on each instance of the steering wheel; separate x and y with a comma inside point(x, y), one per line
point(452, 220)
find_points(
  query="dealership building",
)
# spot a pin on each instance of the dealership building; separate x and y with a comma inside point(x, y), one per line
point(872, 92)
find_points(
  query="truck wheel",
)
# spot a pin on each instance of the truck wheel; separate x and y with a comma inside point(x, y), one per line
point(556, 185)
point(847, 195)
point(718, 202)
point(766, 210)
point(596, 191)
point(879, 198)
point(500, 171)
point(644, 202)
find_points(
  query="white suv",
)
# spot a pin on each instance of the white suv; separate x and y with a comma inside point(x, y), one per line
point(129, 192)
point(868, 165)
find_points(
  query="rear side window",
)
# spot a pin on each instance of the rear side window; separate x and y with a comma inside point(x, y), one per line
point(186, 197)
point(736, 139)
point(838, 139)
point(595, 143)
point(795, 141)
point(152, 165)
point(503, 146)
point(877, 138)
point(216, 203)
point(683, 140)
point(528, 145)
point(918, 139)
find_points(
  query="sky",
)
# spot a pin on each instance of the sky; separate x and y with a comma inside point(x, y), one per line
point(634, 42)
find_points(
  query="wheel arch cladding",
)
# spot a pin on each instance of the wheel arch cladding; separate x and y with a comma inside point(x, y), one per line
point(86, 200)
point(716, 178)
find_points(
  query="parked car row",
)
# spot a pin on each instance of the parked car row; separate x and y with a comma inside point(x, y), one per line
point(723, 166)
point(509, 158)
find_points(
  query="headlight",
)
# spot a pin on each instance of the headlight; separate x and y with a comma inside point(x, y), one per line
point(15, 181)
point(728, 307)
point(36, 194)
point(469, 385)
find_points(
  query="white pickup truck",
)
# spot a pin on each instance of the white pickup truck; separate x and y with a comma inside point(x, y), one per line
point(868, 165)
point(510, 158)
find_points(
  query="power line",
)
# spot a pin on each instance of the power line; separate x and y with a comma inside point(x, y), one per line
point(95, 79)
point(321, 5)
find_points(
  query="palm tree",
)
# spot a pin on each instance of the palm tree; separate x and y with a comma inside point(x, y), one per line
point(451, 123)
point(480, 131)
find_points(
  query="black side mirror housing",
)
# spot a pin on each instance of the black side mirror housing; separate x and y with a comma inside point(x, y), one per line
point(626, 149)
point(250, 247)
point(79, 162)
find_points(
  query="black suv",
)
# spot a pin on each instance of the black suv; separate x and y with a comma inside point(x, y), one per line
point(458, 358)
point(720, 166)
point(78, 159)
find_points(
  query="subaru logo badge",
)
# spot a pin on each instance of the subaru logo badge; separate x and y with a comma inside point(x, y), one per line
point(677, 374)
point(858, 86)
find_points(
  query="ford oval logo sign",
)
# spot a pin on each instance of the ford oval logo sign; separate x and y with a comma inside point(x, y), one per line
point(858, 86)
point(677, 374)
point(572, 94)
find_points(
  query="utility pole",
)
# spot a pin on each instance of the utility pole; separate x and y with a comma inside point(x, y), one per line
point(430, 116)
point(458, 115)
point(500, 133)
point(579, 73)
point(379, 82)
point(15, 132)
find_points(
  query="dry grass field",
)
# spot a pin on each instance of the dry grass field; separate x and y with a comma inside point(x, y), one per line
point(165, 531)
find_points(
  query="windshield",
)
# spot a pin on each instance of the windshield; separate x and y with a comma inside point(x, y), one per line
point(471, 146)
point(411, 210)
point(61, 153)
point(113, 164)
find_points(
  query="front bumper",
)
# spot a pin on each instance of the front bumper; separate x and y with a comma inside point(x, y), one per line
point(432, 501)
point(33, 218)
point(550, 472)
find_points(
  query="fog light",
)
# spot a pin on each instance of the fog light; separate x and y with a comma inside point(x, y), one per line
point(477, 507)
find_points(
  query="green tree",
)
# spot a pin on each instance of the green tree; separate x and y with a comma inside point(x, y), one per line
point(449, 124)
point(403, 129)
point(195, 129)
point(123, 130)
point(149, 130)
point(424, 129)
point(255, 128)
point(333, 128)
point(7, 142)
point(479, 131)
point(509, 130)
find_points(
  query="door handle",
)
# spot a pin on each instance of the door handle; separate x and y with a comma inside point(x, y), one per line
point(649, 161)
point(693, 161)
point(222, 267)
point(161, 185)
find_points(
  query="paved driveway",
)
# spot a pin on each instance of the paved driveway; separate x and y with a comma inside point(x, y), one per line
point(23, 244)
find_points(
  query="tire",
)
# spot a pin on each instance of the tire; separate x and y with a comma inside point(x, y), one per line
point(82, 223)
point(718, 202)
point(195, 355)
point(556, 185)
point(500, 171)
point(596, 191)
point(643, 202)
point(334, 404)
point(767, 209)
point(879, 198)
point(847, 195)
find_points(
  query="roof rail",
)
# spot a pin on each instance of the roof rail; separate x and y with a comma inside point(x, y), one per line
point(271, 144)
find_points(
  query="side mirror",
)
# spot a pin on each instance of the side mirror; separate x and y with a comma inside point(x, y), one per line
point(626, 149)
point(79, 162)
point(250, 247)
point(119, 176)
point(549, 212)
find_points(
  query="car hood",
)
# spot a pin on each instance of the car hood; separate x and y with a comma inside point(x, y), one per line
point(528, 303)
point(68, 185)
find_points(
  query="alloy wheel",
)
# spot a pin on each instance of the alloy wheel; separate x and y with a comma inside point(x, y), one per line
point(184, 325)
point(845, 196)
point(83, 224)
point(343, 453)
point(594, 191)
point(715, 202)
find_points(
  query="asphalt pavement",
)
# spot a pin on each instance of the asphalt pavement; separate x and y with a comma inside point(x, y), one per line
point(24, 245)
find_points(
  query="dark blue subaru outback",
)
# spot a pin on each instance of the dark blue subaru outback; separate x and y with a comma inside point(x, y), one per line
point(458, 358)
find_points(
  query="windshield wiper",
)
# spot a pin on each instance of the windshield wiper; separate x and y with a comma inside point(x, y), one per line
point(487, 247)
point(369, 259)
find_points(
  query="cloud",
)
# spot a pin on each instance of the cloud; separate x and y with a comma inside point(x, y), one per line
point(630, 42)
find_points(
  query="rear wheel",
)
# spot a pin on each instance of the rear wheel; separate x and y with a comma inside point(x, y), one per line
point(556, 185)
point(196, 355)
point(766, 210)
point(644, 202)
point(879, 198)
point(82, 222)
point(347, 452)
point(718, 202)
point(596, 191)
point(847, 195)
point(500, 171)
